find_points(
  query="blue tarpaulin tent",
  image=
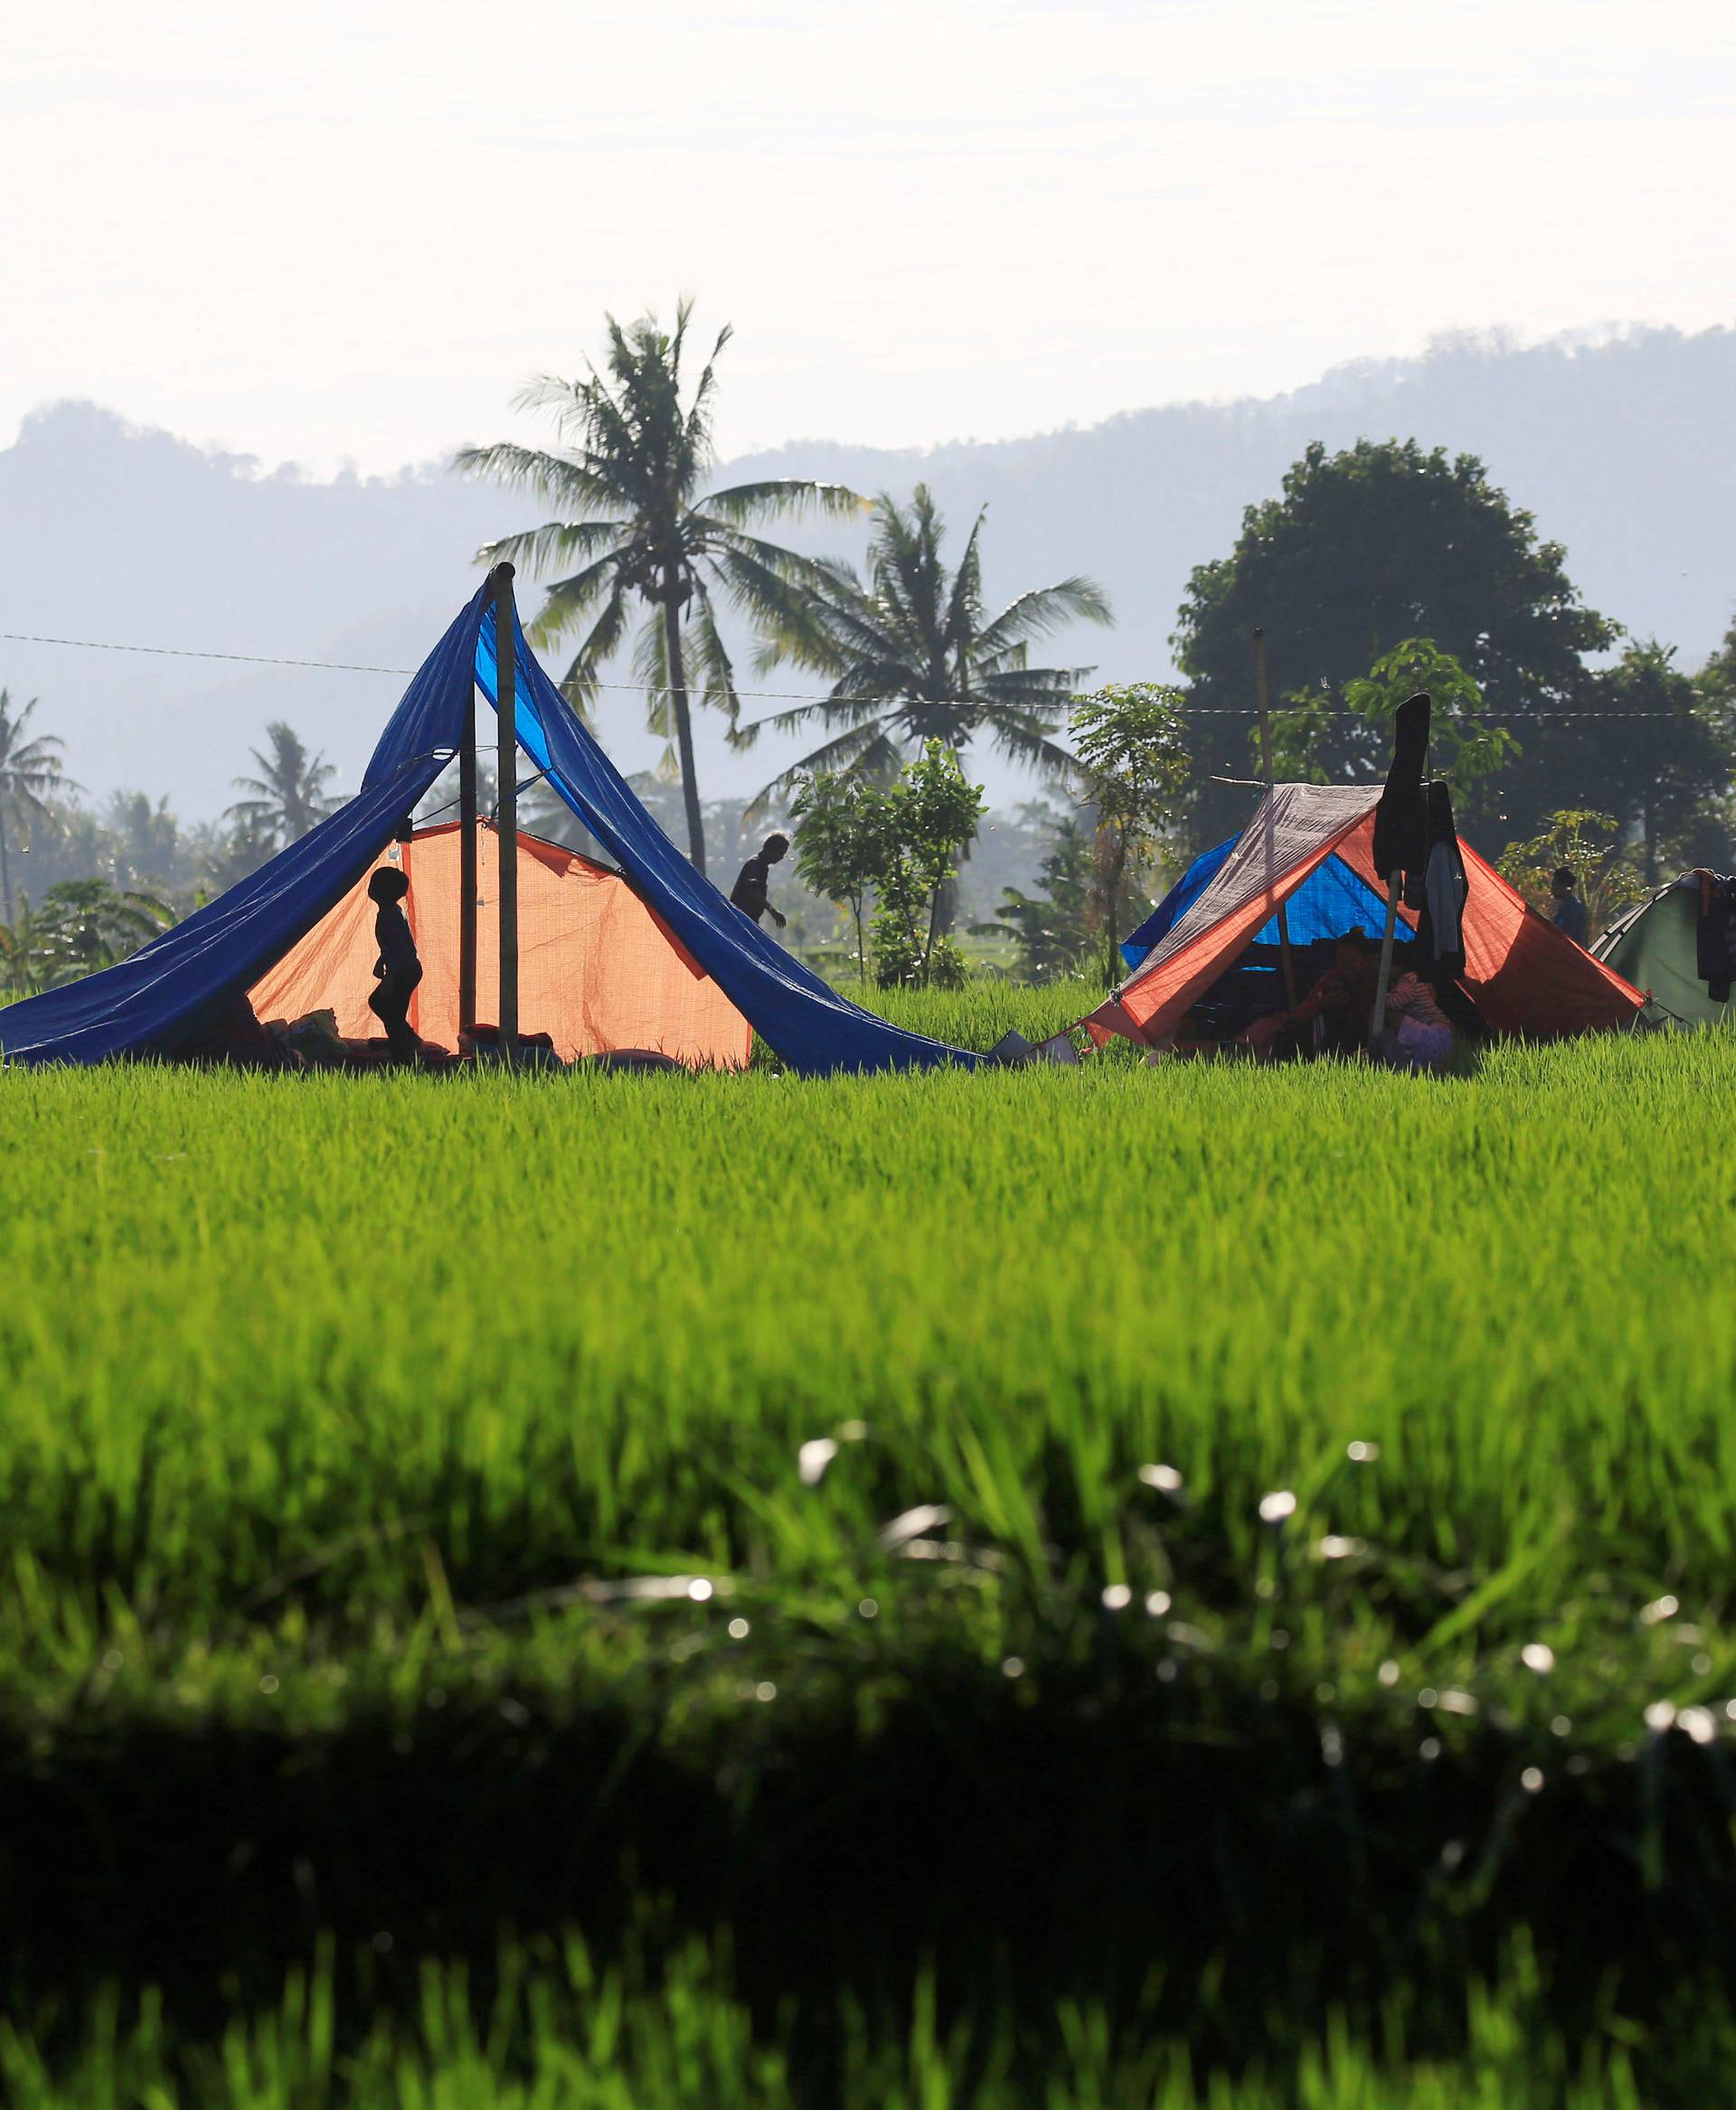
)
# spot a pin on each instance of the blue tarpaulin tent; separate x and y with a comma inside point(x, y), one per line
point(158, 1000)
point(1330, 901)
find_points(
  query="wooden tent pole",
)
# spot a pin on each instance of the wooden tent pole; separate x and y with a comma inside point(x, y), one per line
point(1265, 770)
point(507, 833)
point(468, 870)
point(1395, 883)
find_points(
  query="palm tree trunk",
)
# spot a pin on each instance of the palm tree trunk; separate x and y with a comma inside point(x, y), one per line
point(5, 868)
point(684, 727)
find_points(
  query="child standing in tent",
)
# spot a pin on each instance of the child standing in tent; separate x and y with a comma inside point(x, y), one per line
point(398, 969)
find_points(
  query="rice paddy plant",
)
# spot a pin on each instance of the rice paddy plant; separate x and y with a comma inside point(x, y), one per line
point(590, 1321)
point(1335, 1456)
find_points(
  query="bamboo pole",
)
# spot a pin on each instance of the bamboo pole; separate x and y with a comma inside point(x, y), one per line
point(506, 831)
point(1395, 883)
point(1265, 771)
point(467, 871)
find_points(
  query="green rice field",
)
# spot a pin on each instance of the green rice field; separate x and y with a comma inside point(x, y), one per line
point(1202, 1584)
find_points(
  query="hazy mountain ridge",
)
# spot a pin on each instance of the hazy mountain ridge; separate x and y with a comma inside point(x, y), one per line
point(1619, 447)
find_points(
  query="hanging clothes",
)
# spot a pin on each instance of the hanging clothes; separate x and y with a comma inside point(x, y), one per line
point(1439, 889)
point(1446, 887)
point(1715, 937)
point(1400, 820)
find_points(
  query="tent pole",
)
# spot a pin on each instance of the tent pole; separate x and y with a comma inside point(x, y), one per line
point(468, 870)
point(507, 834)
point(1394, 881)
point(1265, 770)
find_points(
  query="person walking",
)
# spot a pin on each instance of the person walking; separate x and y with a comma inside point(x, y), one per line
point(748, 893)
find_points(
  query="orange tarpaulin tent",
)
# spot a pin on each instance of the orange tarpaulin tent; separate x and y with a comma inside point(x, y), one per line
point(1522, 974)
point(598, 971)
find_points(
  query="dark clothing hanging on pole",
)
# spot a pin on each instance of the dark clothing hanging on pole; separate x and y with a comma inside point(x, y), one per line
point(1400, 820)
point(1441, 888)
point(1715, 935)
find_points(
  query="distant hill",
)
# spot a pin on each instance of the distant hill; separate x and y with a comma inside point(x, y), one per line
point(1619, 447)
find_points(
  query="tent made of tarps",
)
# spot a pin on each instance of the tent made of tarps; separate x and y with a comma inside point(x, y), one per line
point(1331, 901)
point(598, 971)
point(1656, 946)
point(163, 998)
point(1522, 974)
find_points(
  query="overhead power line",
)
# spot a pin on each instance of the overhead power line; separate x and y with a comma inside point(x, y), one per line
point(344, 666)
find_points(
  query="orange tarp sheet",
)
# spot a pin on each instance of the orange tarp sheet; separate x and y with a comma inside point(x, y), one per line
point(598, 971)
point(1524, 976)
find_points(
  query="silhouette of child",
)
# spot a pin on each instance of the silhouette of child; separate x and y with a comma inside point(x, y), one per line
point(398, 970)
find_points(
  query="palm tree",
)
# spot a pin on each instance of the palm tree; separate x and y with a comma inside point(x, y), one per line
point(635, 522)
point(23, 945)
point(29, 770)
point(915, 658)
point(288, 796)
point(86, 925)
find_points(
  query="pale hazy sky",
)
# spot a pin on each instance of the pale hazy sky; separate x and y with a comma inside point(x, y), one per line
point(346, 231)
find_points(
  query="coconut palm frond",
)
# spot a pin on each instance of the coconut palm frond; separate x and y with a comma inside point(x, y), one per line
point(579, 684)
point(866, 751)
point(569, 601)
point(785, 498)
point(712, 659)
point(563, 481)
point(1044, 609)
point(557, 542)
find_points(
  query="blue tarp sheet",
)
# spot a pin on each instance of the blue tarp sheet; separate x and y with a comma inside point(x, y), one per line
point(151, 1002)
point(1176, 903)
point(154, 1001)
point(814, 1028)
point(1331, 901)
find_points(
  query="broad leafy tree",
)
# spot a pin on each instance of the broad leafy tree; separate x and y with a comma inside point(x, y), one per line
point(636, 528)
point(289, 795)
point(1590, 845)
point(1463, 745)
point(914, 654)
point(30, 774)
point(931, 815)
point(841, 824)
point(1363, 550)
point(1657, 761)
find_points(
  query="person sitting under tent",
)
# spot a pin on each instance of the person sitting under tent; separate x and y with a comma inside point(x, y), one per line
point(749, 892)
point(398, 969)
point(1570, 910)
point(1335, 1013)
point(1418, 1034)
